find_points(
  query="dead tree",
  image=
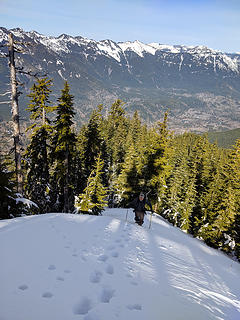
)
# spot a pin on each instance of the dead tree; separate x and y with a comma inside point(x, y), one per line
point(15, 115)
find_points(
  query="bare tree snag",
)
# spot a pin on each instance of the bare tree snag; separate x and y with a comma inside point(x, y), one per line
point(15, 116)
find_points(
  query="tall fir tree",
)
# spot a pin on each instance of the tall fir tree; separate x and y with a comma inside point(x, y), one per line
point(36, 157)
point(63, 149)
point(128, 181)
point(7, 194)
point(90, 143)
point(93, 199)
point(115, 135)
point(158, 166)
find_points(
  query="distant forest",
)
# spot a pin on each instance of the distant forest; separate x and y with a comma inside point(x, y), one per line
point(191, 182)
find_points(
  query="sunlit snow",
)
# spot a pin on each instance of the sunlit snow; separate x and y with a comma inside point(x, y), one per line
point(65, 267)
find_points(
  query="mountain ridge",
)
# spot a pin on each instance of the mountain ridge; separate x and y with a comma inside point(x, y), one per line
point(198, 85)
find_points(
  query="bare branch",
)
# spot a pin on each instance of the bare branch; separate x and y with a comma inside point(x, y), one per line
point(4, 102)
point(24, 43)
point(3, 94)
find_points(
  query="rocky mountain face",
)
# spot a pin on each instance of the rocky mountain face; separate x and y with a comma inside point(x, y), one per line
point(200, 87)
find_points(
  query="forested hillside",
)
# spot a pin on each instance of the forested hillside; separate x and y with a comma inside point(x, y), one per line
point(225, 139)
point(190, 181)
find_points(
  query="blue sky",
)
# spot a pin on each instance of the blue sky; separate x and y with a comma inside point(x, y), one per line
point(214, 23)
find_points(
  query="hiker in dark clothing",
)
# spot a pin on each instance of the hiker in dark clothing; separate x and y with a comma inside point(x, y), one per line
point(138, 205)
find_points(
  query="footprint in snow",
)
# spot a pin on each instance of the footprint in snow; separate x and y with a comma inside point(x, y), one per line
point(51, 267)
point(23, 287)
point(60, 278)
point(74, 255)
point(134, 283)
point(96, 276)
point(47, 295)
point(109, 269)
point(114, 254)
point(118, 240)
point(102, 257)
point(83, 306)
point(106, 295)
point(83, 258)
point(135, 306)
point(67, 271)
point(128, 275)
point(111, 247)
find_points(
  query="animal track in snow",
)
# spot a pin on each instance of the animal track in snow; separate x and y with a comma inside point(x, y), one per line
point(47, 295)
point(51, 267)
point(60, 278)
point(67, 271)
point(109, 269)
point(102, 257)
point(23, 287)
point(114, 254)
point(128, 275)
point(74, 255)
point(96, 276)
point(135, 306)
point(111, 247)
point(83, 306)
point(106, 295)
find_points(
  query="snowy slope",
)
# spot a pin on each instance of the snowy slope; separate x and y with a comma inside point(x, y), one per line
point(65, 267)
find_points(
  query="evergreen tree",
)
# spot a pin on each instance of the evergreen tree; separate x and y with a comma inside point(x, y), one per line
point(36, 157)
point(90, 143)
point(115, 134)
point(234, 177)
point(6, 192)
point(158, 167)
point(92, 200)
point(128, 182)
point(63, 152)
point(93, 140)
point(39, 102)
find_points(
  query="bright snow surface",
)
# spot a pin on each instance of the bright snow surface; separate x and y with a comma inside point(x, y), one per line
point(64, 267)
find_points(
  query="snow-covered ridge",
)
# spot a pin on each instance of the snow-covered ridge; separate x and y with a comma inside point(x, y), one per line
point(64, 44)
point(107, 267)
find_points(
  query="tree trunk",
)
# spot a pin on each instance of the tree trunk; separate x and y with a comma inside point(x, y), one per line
point(15, 116)
point(66, 183)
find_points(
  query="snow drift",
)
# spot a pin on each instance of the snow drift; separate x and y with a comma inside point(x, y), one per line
point(65, 267)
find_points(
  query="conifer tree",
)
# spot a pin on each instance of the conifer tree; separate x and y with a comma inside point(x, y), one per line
point(36, 157)
point(128, 182)
point(92, 200)
point(115, 134)
point(37, 165)
point(234, 164)
point(93, 140)
point(158, 166)
point(131, 179)
point(6, 192)
point(63, 151)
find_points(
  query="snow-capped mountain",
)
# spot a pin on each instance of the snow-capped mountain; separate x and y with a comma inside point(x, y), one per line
point(199, 86)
